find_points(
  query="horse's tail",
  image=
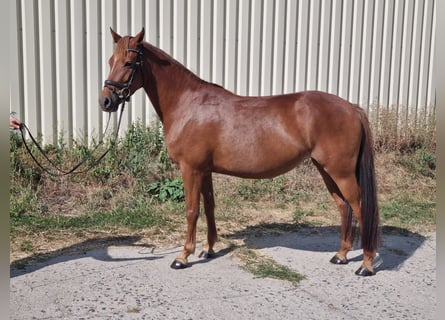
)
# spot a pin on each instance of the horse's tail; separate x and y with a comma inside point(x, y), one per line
point(365, 172)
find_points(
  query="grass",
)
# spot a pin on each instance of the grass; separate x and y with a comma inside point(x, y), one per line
point(262, 266)
point(137, 190)
point(132, 218)
point(405, 210)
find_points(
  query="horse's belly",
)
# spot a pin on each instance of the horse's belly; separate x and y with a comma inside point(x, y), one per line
point(265, 161)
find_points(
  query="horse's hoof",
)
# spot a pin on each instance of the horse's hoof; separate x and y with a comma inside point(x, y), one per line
point(364, 272)
point(336, 260)
point(207, 254)
point(178, 265)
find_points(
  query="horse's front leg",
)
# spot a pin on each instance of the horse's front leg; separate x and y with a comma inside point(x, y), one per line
point(192, 187)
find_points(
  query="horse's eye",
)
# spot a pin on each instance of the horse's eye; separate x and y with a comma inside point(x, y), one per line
point(128, 64)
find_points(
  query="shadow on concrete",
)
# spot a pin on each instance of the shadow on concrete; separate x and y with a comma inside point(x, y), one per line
point(95, 248)
point(398, 244)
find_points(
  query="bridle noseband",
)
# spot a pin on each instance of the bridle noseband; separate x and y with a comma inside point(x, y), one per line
point(122, 90)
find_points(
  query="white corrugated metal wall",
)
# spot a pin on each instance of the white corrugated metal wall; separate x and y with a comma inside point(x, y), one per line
point(377, 53)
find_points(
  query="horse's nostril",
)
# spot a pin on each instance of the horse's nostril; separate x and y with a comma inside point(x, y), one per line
point(107, 103)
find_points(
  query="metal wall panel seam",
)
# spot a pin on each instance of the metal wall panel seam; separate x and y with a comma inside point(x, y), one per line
point(386, 45)
point(420, 25)
point(37, 64)
point(289, 49)
point(374, 61)
point(424, 47)
point(415, 49)
point(359, 18)
point(21, 71)
point(431, 101)
point(29, 67)
point(325, 45)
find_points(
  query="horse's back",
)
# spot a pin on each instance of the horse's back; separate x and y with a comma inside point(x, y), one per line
point(305, 117)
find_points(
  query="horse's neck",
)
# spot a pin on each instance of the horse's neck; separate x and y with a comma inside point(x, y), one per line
point(166, 80)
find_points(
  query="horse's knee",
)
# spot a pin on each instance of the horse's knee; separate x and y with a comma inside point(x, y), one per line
point(192, 217)
point(192, 213)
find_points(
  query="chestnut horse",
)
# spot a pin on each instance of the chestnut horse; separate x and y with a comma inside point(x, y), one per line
point(209, 129)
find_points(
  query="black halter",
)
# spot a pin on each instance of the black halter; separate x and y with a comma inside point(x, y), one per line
point(122, 90)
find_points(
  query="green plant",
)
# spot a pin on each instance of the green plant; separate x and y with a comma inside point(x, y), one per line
point(419, 161)
point(107, 167)
point(22, 203)
point(167, 189)
point(426, 162)
point(143, 151)
point(299, 215)
point(27, 246)
point(253, 189)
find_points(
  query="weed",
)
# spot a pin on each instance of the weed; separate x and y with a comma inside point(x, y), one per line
point(426, 162)
point(23, 201)
point(23, 171)
point(250, 189)
point(273, 189)
point(262, 266)
point(420, 161)
point(322, 206)
point(134, 309)
point(144, 151)
point(299, 215)
point(27, 246)
point(167, 189)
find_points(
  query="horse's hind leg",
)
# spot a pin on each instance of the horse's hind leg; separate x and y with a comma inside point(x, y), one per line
point(350, 190)
point(208, 200)
point(345, 210)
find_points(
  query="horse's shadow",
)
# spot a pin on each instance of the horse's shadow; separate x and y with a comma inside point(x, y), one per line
point(95, 248)
point(398, 244)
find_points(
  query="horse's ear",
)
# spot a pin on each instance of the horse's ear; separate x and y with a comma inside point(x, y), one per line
point(140, 36)
point(116, 37)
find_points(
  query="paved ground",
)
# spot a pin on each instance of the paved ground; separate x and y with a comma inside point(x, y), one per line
point(132, 282)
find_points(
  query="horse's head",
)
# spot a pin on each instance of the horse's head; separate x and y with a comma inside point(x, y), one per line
point(125, 75)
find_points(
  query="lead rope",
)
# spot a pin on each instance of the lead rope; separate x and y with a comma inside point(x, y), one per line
point(62, 172)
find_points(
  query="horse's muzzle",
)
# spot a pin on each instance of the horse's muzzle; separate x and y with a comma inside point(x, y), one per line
point(109, 103)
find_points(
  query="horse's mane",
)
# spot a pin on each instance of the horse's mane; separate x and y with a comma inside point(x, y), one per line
point(162, 58)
